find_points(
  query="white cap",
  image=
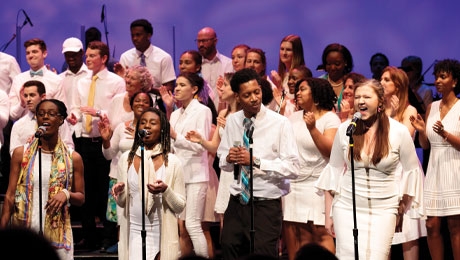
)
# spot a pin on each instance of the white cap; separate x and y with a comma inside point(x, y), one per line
point(72, 44)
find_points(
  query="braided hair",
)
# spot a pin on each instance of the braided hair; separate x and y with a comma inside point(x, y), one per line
point(165, 139)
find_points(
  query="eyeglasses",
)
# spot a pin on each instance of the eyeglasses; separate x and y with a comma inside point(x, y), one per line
point(204, 40)
point(51, 113)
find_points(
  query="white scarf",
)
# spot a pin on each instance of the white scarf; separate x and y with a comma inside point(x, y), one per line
point(149, 174)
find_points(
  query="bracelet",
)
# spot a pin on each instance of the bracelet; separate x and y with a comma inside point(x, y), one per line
point(67, 194)
point(201, 142)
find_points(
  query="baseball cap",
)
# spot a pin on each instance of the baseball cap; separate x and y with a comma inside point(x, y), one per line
point(72, 44)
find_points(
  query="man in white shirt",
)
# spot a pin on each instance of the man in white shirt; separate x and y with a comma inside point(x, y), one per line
point(90, 101)
point(72, 48)
point(35, 54)
point(214, 64)
point(24, 128)
point(275, 161)
point(159, 62)
point(9, 68)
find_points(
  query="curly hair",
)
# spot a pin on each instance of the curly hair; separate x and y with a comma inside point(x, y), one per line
point(144, 75)
point(321, 92)
point(450, 66)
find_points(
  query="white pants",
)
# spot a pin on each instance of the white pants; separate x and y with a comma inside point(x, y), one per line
point(194, 209)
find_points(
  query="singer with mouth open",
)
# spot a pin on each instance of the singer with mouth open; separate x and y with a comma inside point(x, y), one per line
point(62, 182)
point(380, 144)
point(164, 191)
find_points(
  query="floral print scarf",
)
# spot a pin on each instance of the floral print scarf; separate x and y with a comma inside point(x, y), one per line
point(57, 226)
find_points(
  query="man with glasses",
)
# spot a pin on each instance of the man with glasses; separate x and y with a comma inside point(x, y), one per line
point(23, 129)
point(214, 63)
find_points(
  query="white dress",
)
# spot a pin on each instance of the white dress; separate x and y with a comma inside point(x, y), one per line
point(442, 183)
point(46, 165)
point(377, 193)
point(303, 203)
point(152, 221)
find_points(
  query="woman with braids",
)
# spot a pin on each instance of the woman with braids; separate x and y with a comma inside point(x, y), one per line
point(164, 191)
point(380, 145)
point(61, 178)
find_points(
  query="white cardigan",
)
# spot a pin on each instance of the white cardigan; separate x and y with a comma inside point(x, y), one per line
point(173, 200)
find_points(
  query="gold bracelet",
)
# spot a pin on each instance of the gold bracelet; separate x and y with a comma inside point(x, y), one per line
point(201, 142)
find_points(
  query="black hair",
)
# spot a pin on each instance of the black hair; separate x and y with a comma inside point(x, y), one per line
point(165, 139)
point(143, 23)
point(131, 99)
point(449, 66)
point(243, 76)
point(348, 59)
point(62, 109)
point(379, 54)
point(321, 92)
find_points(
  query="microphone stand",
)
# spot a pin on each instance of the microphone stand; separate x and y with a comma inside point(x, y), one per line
point(355, 229)
point(18, 37)
point(105, 24)
point(5, 46)
point(40, 202)
point(143, 232)
point(251, 191)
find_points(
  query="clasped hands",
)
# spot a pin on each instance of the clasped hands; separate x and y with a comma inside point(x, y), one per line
point(238, 155)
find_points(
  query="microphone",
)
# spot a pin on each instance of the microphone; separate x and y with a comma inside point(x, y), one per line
point(103, 13)
point(352, 127)
point(40, 131)
point(27, 18)
point(236, 167)
point(142, 133)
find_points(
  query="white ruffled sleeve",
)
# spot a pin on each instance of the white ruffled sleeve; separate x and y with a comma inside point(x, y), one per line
point(331, 176)
point(412, 177)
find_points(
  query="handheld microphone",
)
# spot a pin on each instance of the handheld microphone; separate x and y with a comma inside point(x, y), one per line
point(27, 18)
point(236, 167)
point(142, 133)
point(40, 131)
point(352, 127)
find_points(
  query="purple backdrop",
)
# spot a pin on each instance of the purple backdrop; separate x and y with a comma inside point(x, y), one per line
point(428, 29)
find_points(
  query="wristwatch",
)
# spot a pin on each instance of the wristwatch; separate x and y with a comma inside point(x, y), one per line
point(98, 113)
point(257, 162)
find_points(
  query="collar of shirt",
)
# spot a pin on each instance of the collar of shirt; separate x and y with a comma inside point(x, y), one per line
point(101, 74)
point(189, 107)
point(216, 58)
point(83, 70)
point(147, 52)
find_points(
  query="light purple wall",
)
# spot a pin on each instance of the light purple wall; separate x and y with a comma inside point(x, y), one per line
point(429, 29)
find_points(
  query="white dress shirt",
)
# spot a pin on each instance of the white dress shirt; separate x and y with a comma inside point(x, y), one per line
point(212, 69)
point(108, 85)
point(9, 68)
point(53, 87)
point(273, 143)
point(159, 63)
point(4, 112)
